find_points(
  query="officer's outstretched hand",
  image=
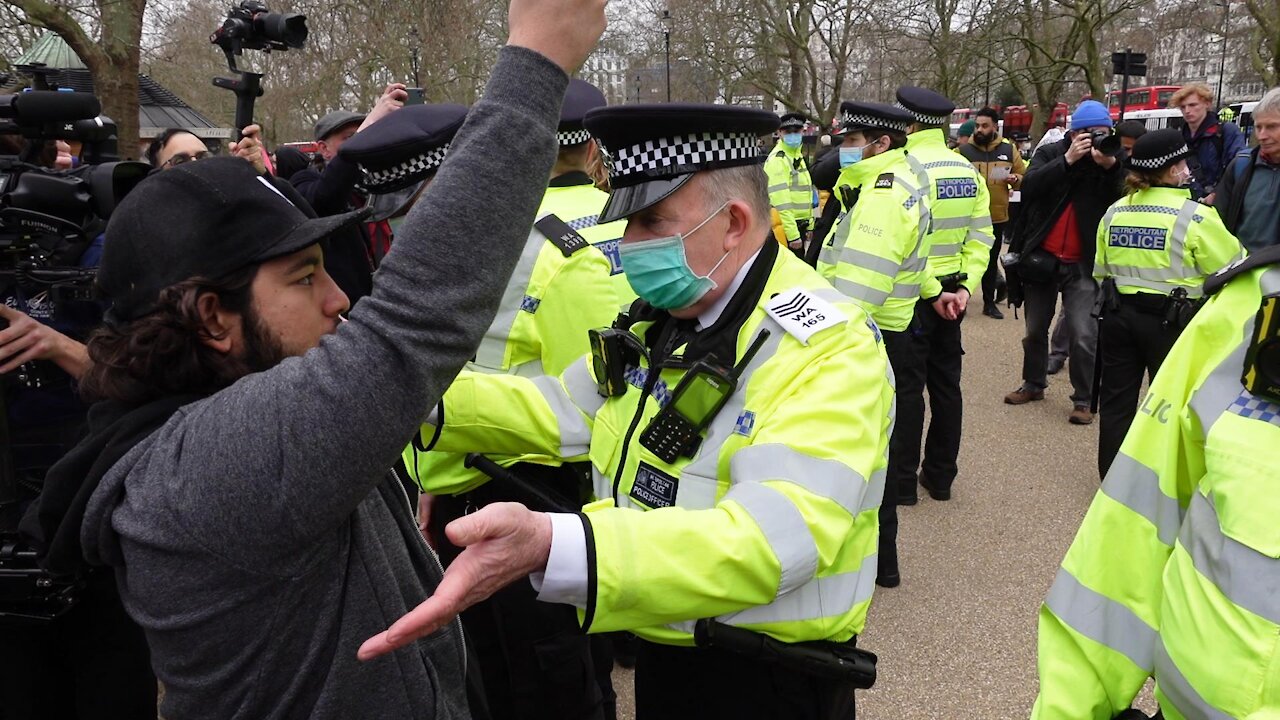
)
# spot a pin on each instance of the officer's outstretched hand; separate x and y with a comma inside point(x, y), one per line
point(565, 31)
point(504, 542)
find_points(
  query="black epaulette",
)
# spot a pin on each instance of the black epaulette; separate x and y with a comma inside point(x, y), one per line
point(561, 235)
point(1218, 280)
point(884, 181)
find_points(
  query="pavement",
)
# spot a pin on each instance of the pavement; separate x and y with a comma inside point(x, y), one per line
point(958, 638)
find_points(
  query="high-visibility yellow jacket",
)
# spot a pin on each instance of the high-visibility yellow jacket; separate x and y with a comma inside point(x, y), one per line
point(1159, 239)
point(878, 251)
point(960, 232)
point(574, 199)
point(1175, 572)
point(541, 327)
point(790, 189)
point(772, 524)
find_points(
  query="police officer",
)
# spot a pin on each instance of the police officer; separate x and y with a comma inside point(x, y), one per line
point(1173, 573)
point(1156, 245)
point(573, 196)
point(735, 422)
point(877, 254)
point(960, 239)
point(790, 189)
point(534, 662)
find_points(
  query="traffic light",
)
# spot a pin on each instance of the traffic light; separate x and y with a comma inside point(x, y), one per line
point(1135, 67)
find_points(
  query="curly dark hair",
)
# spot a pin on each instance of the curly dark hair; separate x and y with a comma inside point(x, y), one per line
point(164, 353)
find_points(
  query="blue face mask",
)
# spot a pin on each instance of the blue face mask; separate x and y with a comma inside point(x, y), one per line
point(792, 139)
point(850, 155)
point(660, 274)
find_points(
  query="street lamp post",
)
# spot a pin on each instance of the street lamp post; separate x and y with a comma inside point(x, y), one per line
point(1222, 62)
point(667, 21)
point(413, 55)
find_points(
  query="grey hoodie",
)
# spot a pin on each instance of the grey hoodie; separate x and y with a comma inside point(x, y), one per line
point(257, 537)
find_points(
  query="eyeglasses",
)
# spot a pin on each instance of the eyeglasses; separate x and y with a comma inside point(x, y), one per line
point(183, 158)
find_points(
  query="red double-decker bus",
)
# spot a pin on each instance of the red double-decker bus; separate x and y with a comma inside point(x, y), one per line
point(1152, 97)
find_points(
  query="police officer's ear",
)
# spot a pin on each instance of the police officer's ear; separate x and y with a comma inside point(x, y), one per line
point(742, 220)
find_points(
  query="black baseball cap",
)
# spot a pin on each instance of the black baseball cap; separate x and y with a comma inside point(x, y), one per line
point(203, 219)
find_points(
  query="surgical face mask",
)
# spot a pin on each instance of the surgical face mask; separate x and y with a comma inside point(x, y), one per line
point(660, 274)
point(1182, 178)
point(850, 155)
point(792, 139)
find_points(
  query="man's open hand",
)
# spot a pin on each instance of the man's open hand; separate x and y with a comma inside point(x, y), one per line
point(504, 542)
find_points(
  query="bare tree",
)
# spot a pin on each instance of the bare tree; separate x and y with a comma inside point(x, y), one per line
point(106, 35)
point(1264, 45)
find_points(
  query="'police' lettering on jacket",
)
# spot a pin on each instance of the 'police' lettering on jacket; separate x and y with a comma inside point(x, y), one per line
point(1136, 238)
point(957, 189)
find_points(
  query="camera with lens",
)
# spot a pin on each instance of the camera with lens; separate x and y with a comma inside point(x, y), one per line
point(1105, 141)
point(251, 26)
point(48, 218)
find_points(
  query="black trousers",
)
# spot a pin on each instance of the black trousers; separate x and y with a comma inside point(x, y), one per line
point(1134, 344)
point(940, 352)
point(684, 683)
point(991, 277)
point(904, 443)
point(92, 662)
point(534, 660)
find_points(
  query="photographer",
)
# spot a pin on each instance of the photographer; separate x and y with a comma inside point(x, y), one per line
point(92, 656)
point(1070, 185)
point(333, 189)
point(250, 516)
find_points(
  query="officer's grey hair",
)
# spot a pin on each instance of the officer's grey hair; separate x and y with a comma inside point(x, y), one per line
point(745, 182)
point(1269, 104)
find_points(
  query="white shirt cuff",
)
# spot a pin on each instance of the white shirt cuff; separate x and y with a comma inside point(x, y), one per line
point(565, 579)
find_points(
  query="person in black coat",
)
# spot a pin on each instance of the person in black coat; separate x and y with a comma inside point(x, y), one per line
point(1066, 191)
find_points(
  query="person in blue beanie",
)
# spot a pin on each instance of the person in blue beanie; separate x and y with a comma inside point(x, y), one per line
point(1069, 186)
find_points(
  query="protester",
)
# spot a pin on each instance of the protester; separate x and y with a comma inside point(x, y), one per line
point(1002, 166)
point(1249, 193)
point(1066, 191)
point(250, 518)
point(1213, 143)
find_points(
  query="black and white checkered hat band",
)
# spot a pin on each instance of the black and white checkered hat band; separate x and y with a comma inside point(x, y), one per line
point(924, 119)
point(410, 170)
point(851, 121)
point(682, 154)
point(1160, 162)
point(573, 137)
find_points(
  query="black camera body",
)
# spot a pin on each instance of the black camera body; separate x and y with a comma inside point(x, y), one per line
point(1105, 141)
point(251, 26)
point(47, 220)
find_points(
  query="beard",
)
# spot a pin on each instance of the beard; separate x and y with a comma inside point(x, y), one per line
point(262, 350)
point(983, 138)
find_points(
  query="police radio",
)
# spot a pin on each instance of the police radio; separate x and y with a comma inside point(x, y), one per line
point(1262, 361)
point(703, 391)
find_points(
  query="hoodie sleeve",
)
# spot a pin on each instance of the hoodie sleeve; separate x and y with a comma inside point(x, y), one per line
point(286, 455)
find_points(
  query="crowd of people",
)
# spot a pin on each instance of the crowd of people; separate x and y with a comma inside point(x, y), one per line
point(364, 442)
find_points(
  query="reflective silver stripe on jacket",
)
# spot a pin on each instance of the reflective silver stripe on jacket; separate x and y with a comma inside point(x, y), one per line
point(826, 478)
point(1137, 487)
point(867, 261)
point(493, 348)
point(582, 387)
point(575, 436)
point(1244, 576)
point(783, 527)
point(858, 291)
point(1101, 619)
point(1173, 685)
point(1160, 279)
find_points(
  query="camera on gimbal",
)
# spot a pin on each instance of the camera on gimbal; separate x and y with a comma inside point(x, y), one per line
point(250, 26)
